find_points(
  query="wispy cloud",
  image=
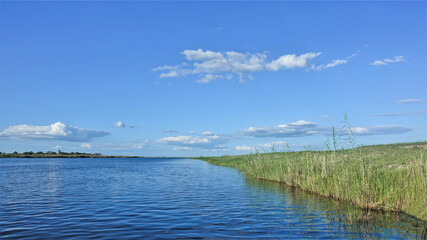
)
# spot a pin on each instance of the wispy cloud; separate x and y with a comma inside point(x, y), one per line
point(86, 146)
point(334, 63)
point(206, 142)
point(277, 146)
point(124, 146)
point(412, 100)
point(305, 128)
point(209, 78)
point(169, 131)
point(182, 148)
point(295, 129)
point(55, 131)
point(418, 112)
point(380, 130)
point(386, 61)
point(388, 114)
point(211, 65)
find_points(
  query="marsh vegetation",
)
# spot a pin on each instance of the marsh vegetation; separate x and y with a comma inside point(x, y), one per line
point(382, 177)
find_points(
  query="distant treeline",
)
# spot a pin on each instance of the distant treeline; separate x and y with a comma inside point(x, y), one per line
point(59, 154)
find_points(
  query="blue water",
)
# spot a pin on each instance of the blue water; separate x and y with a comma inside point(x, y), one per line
point(169, 199)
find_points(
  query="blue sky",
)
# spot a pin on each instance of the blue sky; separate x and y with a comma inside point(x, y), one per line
point(209, 78)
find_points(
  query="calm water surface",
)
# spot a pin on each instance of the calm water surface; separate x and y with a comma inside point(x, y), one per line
point(169, 199)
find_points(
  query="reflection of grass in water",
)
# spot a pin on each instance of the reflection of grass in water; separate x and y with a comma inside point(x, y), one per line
point(383, 177)
point(345, 218)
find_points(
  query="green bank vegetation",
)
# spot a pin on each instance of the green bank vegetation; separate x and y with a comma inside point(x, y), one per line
point(382, 177)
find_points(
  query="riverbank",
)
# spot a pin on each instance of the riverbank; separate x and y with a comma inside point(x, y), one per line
point(381, 177)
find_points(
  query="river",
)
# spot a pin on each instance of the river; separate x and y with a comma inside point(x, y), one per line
point(130, 198)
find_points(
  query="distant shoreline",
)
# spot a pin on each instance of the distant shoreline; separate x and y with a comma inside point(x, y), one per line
point(67, 155)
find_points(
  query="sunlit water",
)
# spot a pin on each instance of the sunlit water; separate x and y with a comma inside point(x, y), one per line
point(169, 199)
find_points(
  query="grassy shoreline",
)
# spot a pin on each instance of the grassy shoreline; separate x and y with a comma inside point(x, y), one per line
point(380, 177)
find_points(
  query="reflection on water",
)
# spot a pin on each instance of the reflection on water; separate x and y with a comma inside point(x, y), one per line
point(171, 198)
point(346, 219)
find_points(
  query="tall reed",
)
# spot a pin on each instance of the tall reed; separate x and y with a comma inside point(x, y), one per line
point(383, 177)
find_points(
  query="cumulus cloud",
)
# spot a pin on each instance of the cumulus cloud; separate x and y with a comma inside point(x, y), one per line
point(199, 54)
point(191, 132)
point(292, 61)
point(207, 142)
point(210, 65)
point(412, 100)
point(207, 133)
point(55, 131)
point(385, 61)
point(119, 124)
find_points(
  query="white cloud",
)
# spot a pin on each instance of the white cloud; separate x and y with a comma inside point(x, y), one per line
point(378, 63)
point(125, 146)
point(332, 64)
point(395, 60)
point(383, 62)
point(218, 65)
point(119, 124)
point(86, 145)
point(209, 77)
point(412, 100)
point(57, 147)
point(296, 129)
point(292, 61)
point(191, 132)
point(304, 128)
point(207, 133)
point(206, 142)
point(324, 116)
point(169, 74)
point(182, 148)
point(55, 131)
point(278, 146)
point(380, 130)
point(199, 54)
point(243, 148)
point(162, 68)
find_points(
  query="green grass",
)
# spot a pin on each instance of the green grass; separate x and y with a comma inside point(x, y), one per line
point(382, 177)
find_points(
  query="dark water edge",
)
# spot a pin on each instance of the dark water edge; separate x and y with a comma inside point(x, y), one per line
point(347, 218)
point(170, 199)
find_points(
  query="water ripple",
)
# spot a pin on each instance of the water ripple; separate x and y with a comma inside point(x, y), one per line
point(169, 199)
